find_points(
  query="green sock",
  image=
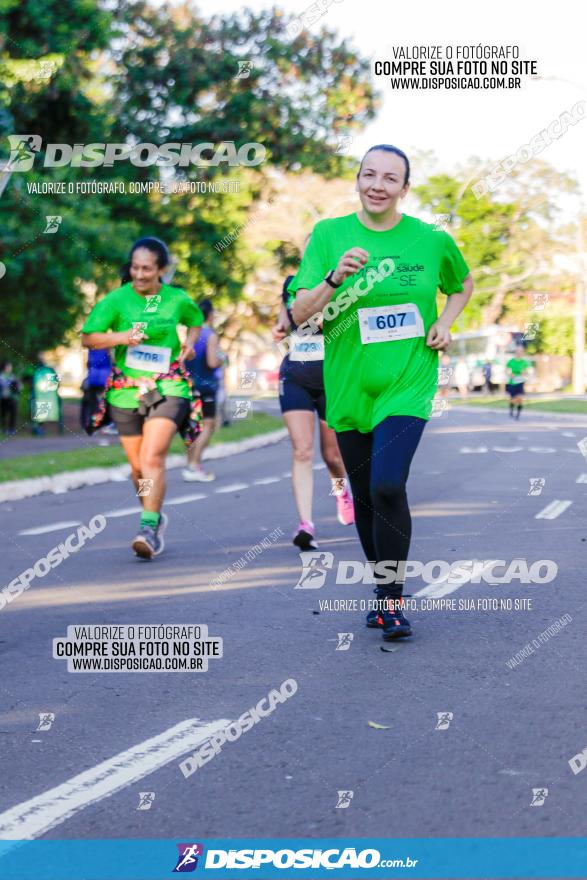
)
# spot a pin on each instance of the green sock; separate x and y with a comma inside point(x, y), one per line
point(148, 518)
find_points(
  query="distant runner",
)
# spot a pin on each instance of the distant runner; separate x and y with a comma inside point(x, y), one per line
point(204, 372)
point(374, 276)
point(518, 367)
point(149, 392)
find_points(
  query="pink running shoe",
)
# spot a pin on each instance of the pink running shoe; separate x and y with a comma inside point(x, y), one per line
point(345, 508)
point(304, 536)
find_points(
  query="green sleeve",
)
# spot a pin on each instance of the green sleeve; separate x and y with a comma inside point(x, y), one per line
point(453, 269)
point(191, 314)
point(314, 266)
point(102, 316)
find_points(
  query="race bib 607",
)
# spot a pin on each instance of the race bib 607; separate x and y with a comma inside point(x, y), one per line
point(389, 323)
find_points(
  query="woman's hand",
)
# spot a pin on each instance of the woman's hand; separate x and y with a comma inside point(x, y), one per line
point(438, 337)
point(187, 353)
point(349, 264)
point(131, 337)
point(278, 332)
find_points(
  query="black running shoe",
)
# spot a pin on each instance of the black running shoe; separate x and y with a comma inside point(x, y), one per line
point(304, 536)
point(374, 619)
point(395, 625)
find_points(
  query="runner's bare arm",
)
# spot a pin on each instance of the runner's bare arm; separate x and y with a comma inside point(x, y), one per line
point(214, 357)
point(439, 337)
point(280, 329)
point(187, 349)
point(311, 302)
point(109, 340)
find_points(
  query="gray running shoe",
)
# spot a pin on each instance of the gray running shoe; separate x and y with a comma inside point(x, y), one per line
point(146, 543)
point(161, 532)
point(150, 542)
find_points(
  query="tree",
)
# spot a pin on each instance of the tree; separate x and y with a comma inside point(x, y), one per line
point(511, 240)
point(45, 60)
point(178, 81)
point(155, 75)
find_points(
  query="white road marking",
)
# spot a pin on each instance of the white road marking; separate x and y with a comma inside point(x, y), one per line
point(185, 499)
point(539, 449)
point(318, 467)
point(286, 474)
point(58, 526)
point(235, 487)
point(54, 527)
point(569, 434)
point(554, 509)
point(264, 481)
point(123, 511)
point(438, 589)
point(582, 478)
point(39, 814)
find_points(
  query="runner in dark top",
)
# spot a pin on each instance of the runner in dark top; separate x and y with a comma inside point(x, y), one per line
point(301, 394)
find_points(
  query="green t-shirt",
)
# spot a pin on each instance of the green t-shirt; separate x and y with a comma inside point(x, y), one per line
point(123, 307)
point(366, 381)
point(517, 367)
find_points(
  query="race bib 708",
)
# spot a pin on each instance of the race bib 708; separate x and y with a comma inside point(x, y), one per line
point(150, 358)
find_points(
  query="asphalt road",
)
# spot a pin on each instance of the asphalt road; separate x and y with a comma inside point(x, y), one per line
point(512, 730)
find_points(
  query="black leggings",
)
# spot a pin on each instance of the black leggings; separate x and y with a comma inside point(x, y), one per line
point(378, 465)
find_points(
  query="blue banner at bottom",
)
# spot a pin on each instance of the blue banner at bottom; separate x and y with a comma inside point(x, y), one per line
point(304, 858)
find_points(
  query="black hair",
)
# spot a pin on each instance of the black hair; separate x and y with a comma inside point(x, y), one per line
point(206, 307)
point(156, 246)
point(388, 148)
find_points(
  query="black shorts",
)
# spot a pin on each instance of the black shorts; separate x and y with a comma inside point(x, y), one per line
point(208, 404)
point(130, 423)
point(515, 390)
point(293, 395)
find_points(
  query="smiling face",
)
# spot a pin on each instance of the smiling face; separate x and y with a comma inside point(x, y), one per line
point(381, 182)
point(144, 270)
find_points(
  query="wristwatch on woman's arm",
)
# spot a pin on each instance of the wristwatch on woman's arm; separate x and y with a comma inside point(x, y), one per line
point(329, 280)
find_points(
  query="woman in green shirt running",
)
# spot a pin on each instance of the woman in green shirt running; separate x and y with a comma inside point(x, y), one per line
point(517, 367)
point(374, 277)
point(149, 393)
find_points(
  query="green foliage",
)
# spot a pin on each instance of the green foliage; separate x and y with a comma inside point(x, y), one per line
point(555, 336)
point(79, 73)
point(177, 80)
point(510, 239)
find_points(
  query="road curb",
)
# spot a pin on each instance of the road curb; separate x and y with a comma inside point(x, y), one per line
point(65, 481)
